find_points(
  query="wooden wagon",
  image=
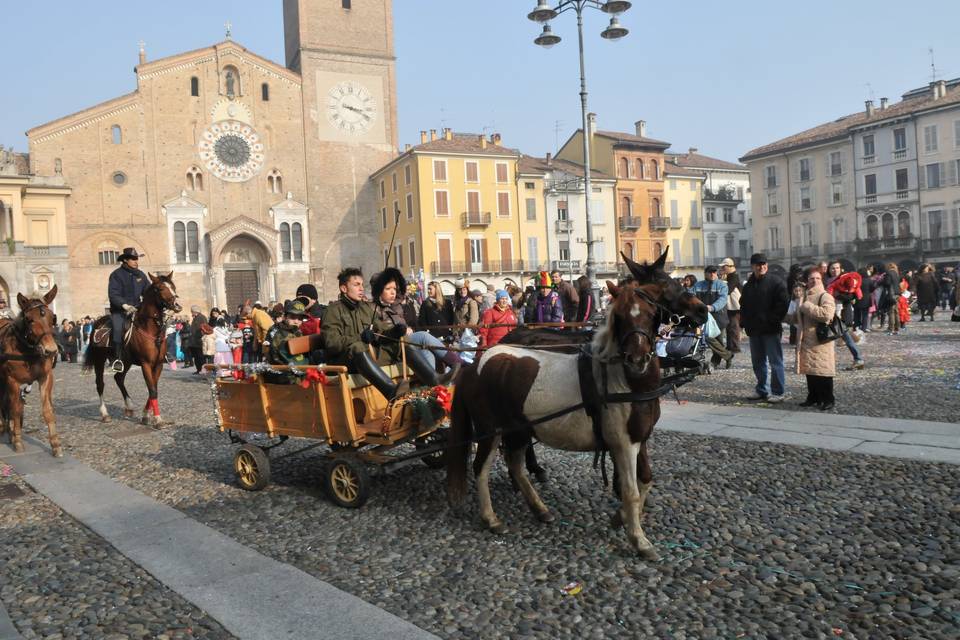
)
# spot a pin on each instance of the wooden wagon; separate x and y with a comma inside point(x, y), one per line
point(359, 430)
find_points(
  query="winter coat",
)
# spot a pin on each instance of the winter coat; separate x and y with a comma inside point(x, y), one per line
point(126, 286)
point(813, 357)
point(927, 288)
point(890, 290)
point(491, 336)
point(544, 309)
point(261, 322)
point(714, 293)
point(196, 337)
point(867, 287)
point(432, 315)
point(570, 299)
point(343, 322)
point(763, 305)
point(467, 312)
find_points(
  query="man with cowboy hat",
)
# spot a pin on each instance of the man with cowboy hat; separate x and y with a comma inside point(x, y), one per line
point(126, 286)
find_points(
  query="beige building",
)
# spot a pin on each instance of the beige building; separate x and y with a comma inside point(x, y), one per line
point(683, 193)
point(33, 237)
point(243, 176)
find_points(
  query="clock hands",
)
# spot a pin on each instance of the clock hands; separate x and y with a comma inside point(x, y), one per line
point(356, 110)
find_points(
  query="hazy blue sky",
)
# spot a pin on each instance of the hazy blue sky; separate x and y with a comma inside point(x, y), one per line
point(722, 77)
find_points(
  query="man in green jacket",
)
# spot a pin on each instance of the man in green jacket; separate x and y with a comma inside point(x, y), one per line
point(279, 336)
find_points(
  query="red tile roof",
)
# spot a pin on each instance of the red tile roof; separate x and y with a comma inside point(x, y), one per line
point(629, 138)
point(464, 143)
point(530, 164)
point(671, 169)
point(699, 161)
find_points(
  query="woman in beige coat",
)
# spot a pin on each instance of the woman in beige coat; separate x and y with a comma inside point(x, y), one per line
point(815, 359)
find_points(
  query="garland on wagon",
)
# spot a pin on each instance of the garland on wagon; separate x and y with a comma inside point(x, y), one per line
point(430, 406)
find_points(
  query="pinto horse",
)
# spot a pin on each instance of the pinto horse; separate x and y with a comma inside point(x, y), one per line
point(146, 347)
point(28, 352)
point(515, 393)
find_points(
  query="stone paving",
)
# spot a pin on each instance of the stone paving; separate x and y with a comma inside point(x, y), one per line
point(758, 539)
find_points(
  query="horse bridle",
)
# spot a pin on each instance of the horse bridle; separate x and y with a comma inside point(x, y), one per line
point(664, 315)
point(25, 336)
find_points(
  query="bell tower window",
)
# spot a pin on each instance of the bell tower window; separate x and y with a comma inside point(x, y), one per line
point(345, 4)
point(275, 182)
point(117, 134)
point(265, 92)
point(195, 86)
point(195, 179)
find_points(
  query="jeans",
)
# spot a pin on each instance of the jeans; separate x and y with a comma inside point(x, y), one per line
point(733, 331)
point(763, 349)
point(893, 317)
point(426, 339)
point(861, 317)
point(848, 340)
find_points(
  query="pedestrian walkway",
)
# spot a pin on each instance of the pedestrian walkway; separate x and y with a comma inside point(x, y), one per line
point(251, 595)
point(7, 630)
point(914, 439)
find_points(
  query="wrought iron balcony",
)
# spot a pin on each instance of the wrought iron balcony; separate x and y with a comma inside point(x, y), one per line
point(841, 249)
point(564, 226)
point(904, 244)
point(807, 251)
point(775, 254)
point(942, 245)
point(659, 222)
point(474, 219)
point(461, 267)
point(630, 223)
point(721, 195)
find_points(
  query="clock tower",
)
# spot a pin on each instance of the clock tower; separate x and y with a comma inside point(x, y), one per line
point(343, 51)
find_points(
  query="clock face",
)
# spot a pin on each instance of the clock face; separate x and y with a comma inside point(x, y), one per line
point(232, 151)
point(351, 107)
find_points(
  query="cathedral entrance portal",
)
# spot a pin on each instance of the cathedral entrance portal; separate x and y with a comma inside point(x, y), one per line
point(246, 272)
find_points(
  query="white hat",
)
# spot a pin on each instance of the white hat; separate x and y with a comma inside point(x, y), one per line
point(727, 262)
point(459, 283)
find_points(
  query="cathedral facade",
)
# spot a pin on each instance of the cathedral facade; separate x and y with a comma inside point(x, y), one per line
point(244, 177)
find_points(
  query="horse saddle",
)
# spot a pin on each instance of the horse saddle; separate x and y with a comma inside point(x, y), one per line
point(103, 330)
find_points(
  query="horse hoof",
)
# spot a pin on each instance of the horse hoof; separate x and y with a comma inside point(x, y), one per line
point(540, 476)
point(128, 413)
point(19, 448)
point(649, 554)
point(145, 420)
point(57, 453)
point(615, 520)
point(498, 528)
point(106, 419)
point(546, 516)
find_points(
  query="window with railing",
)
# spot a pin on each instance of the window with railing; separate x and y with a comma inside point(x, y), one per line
point(107, 256)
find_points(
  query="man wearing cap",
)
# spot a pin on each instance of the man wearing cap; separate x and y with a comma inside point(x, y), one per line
point(124, 289)
point(763, 306)
point(713, 292)
point(280, 334)
point(728, 272)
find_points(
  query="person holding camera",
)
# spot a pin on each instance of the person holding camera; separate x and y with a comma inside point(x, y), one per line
point(811, 311)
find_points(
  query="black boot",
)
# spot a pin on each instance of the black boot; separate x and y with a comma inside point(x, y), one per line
point(425, 372)
point(366, 366)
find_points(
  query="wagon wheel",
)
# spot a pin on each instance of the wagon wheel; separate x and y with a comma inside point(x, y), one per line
point(348, 483)
point(252, 467)
point(438, 459)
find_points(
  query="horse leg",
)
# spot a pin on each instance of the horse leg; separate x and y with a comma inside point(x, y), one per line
point(46, 399)
point(98, 366)
point(625, 458)
point(486, 452)
point(644, 475)
point(120, 379)
point(515, 462)
point(15, 408)
point(150, 375)
point(533, 466)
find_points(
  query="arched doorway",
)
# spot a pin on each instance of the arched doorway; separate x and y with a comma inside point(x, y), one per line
point(245, 271)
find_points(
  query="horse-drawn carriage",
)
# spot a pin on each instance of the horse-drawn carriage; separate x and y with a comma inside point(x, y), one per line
point(359, 430)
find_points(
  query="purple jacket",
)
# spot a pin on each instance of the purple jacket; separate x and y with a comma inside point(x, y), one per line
point(548, 309)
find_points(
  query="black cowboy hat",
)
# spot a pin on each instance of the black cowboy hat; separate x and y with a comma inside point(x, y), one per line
point(129, 253)
point(379, 282)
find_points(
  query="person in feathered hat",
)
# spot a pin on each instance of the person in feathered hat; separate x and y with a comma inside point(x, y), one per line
point(546, 307)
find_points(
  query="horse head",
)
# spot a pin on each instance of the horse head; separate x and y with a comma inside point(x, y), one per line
point(673, 296)
point(632, 320)
point(165, 291)
point(37, 322)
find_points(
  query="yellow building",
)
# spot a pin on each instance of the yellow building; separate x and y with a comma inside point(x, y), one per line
point(683, 194)
point(33, 233)
point(455, 203)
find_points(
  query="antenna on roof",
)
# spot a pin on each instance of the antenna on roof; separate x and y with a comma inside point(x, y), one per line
point(870, 91)
point(933, 66)
point(557, 126)
point(443, 118)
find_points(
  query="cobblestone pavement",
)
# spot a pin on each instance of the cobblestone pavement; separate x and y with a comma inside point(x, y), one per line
point(59, 580)
point(758, 540)
point(913, 376)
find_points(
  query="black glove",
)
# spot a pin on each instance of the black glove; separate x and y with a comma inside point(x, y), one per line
point(397, 331)
point(368, 336)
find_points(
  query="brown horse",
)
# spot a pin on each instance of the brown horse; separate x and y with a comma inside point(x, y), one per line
point(515, 393)
point(28, 352)
point(146, 347)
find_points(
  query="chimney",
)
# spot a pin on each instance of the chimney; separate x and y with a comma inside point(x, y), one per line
point(143, 52)
point(641, 127)
point(941, 88)
point(433, 135)
point(483, 141)
point(591, 124)
point(883, 104)
point(869, 104)
point(692, 151)
point(495, 139)
point(423, 137)
point(406, 147)
point(448, 133)
point(549, 158)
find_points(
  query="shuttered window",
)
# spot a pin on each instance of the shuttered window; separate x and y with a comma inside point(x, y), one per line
point(473, 172)
point(502, 172)
point(439, 170)
point(180, 241)
point(441, 203)
point(503, 204)
point(531, 209)
point(193, 242)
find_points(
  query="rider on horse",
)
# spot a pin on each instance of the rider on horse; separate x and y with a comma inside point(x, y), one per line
point(127, 284)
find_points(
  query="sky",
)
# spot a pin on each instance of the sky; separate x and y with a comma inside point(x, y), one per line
point(722, 77)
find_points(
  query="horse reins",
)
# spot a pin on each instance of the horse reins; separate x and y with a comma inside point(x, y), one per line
point(23, 337)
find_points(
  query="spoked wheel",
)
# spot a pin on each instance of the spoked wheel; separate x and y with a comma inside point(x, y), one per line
point(438, 459)
point(252, 467)
point(348, 483)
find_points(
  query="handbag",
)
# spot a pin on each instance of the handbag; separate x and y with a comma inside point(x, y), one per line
point(829, 331)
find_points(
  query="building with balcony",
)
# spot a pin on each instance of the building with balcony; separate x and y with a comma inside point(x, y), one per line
point(683, 194)
point(33, 234)
point(727, 217)
point(874, 186)
point(461, 209)
point(565, 225)
point(636, 161)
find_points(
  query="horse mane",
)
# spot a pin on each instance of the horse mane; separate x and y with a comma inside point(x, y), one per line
point(604, 343)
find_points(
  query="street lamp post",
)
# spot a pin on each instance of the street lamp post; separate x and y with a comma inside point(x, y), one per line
point(543, 14)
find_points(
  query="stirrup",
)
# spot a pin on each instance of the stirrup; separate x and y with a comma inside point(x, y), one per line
point(117, 366)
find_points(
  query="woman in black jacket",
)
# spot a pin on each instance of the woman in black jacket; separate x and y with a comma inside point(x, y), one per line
point(435, 311)
point(861, 308)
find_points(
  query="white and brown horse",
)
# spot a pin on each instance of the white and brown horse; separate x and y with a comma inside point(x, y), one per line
point(514, 393)
point(28, 352)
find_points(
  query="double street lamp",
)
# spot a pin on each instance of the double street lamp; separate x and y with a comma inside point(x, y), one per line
point(543, 14)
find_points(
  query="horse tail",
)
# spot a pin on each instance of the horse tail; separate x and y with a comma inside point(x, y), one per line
point(460, 436)
point(88, 356)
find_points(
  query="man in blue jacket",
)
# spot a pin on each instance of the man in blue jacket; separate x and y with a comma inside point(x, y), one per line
point(127, 284)
point(712, 291)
